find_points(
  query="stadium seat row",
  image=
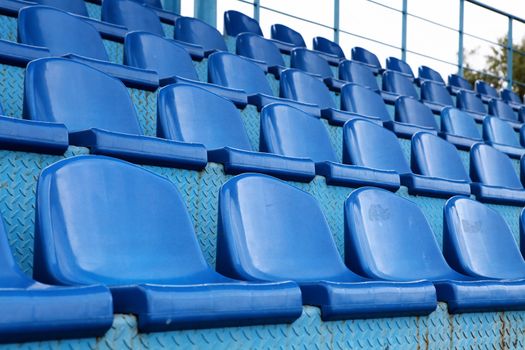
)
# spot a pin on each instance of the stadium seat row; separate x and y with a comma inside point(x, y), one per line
point(98, 113)
point(139, 242)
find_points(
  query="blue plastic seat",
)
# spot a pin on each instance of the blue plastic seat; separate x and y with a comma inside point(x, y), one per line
point(397, 84)
point(500, 135)
point(364, 56)
point(236, 22)
point(493, 176)
point(99, 113)
point(258, 48)
point(369, 145)
point(269, 230)
point(395, 64)
point(289, 132)
point(187, 113)
point(511, 98)
point(504, 111)
point(358, 99)
point(132, 15)
point(195, 31)
point(309, 61)
point(149, 51)
point(457, 83)
point(240, 73)
point(358, 73)
point(486, 91)
point(328, 46)
point(435, 96)
point(413, 116)
point(387, 237)
point(303, 87)
point(77, 7)
point(459, 128)
point(140, 242)
point(426, 73)
point(434, 157)
point(288, 35)
point(60, 32)
point(468, 101)
point(478, 242)
point(35, 311)
point(77, 38)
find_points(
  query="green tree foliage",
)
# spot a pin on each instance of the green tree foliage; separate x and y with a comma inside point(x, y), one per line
point(495, 70)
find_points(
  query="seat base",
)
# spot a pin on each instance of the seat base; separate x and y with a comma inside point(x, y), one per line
point(338, 117)
point(42, 312)
point(405, 130)
point(434, 187)
point(481, 296)
point(463, 143)
point(238, 161)
point(142, 149)
point(369, 299)
point(498, 195)
point(171, 307)
point(355, 176)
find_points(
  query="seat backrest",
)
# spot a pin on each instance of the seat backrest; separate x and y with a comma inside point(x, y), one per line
point(288, 35)
point(399, 84)
point(102, 220)
point(152, 52)
point(502, 110)
point(469, 101)
point(398, 65)
point(484, 88)
point(510, 96)
point(195, 31)
point(355, 72)
point(191, 114)
point(427, 73)
point(388, 237)
point(359, 99)
point(236, 22)
point(370, 145)
point(63, 91)
point(309, 61)
point(499, 131)
point(235, 72)
point(411, 111)
point(269, 229)
point(258, 48)
point(132, 15)
point(477, 241)
point(60, 32)
point(436, 92)
point(432, 156)
point(77, 7)
point(303, 87)
point(363, 55)
point(288, 131)
point(459, 123)
point(459, 82)
point(492, 167)
point(328, 46)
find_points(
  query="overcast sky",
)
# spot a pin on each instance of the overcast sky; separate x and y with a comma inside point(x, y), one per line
point(370, 19)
